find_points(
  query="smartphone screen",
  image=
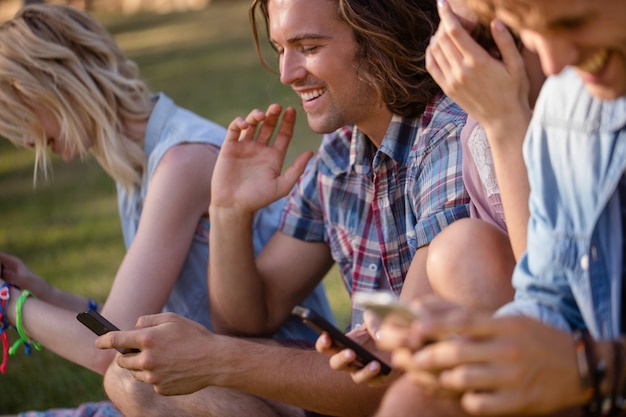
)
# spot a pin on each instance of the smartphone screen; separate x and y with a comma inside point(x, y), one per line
point(320, 325)
point(99, 325)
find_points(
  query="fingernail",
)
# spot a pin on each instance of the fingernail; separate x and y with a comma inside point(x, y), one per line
point(500, 26)
point(372, 366)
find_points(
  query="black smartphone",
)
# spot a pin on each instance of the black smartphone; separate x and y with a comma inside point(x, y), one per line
point(99, 325)
point(320, 325)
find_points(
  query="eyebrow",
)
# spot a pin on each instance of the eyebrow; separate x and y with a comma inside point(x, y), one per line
point(567, 22)
point(302, 37)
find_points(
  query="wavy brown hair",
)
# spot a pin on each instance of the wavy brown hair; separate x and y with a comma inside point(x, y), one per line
point(62, 59)
point(392, 36)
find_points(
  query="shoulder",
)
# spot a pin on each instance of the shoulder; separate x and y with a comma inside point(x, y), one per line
point(192, 154)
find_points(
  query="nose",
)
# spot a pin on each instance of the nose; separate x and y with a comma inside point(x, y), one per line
point(28, 140)
point(555, 51)
point(292, 67)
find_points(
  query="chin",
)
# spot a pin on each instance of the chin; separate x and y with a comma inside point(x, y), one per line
point(606, 92)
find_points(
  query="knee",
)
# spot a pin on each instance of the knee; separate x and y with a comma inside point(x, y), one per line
point(124, 391)
point(446, 253)
point(471, 262)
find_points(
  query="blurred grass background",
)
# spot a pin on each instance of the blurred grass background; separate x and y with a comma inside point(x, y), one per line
point(68, 231)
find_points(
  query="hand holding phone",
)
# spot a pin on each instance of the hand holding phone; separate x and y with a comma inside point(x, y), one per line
point(99, 325)
point(320, 325)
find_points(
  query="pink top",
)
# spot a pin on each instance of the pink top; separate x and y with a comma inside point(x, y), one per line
point(479, 176)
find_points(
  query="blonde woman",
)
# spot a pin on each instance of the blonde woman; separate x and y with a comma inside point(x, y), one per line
point(65, 86)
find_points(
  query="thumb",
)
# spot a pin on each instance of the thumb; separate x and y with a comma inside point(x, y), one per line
point(294, 171)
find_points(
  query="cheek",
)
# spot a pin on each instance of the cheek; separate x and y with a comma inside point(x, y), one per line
point(529, 40)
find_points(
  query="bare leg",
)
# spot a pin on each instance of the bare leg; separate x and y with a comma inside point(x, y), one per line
point(135, 398)
point(471, 262)
point(405, 399)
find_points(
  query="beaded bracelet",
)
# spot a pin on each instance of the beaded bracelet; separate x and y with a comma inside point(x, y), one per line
point(5, 294)
point(92, 304)
point(24, 339)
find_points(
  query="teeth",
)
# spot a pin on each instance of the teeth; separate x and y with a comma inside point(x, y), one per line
point(312, 94)
point(595, 62)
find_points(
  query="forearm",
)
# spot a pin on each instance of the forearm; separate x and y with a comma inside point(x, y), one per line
point(58, 330)
point(65, 300)
point(506, 142)
point(236, 289)
point(299, 377)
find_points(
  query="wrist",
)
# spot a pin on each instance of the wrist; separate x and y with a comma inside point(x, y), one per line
point(605, 375)
point(501, 131)
point(230, 215)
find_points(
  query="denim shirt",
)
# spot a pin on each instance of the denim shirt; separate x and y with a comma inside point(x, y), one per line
point(168, 126)
point(575, 152)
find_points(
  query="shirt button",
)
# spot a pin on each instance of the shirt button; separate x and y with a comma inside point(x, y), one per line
point(584, 262)
point(373, 267)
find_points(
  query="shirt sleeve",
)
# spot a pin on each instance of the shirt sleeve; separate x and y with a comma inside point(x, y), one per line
point(437, 190)
point(303, 216)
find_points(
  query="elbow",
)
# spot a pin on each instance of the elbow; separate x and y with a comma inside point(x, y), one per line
point(240, 326)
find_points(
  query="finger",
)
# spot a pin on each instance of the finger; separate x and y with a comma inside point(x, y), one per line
point(511, 56)
point(253, 119)
point(458, 43)
point(234, 130)
point(455, 322)
point(118, 339)
point(266, 131)
point(391, 337)
point(152, 320)
point(443, 38)
point(492, 403)
point(366, 374)
point(402, 358)
point(344, 361)
point(438, 57)
point(372, 323)
point(294, 171)
point(324, 344)
point(482, 377)
point(433, 68)
point(131, 362)
point(285, 130)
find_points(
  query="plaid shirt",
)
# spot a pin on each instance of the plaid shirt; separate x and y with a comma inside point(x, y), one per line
point(376, 207)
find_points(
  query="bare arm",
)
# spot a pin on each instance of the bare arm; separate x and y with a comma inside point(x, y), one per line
point(247, 178)
point(300, 377)
point(15, 271)
point(149, 269)
point(496, 94)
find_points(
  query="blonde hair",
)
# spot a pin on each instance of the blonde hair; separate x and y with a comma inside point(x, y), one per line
point(62, 59)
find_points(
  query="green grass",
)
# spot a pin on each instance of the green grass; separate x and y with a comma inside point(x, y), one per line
point(68, 230)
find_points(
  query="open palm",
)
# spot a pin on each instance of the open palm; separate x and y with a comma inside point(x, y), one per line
point(247, 173)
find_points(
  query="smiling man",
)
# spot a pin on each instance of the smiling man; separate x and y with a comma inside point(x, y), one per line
point(385, 181)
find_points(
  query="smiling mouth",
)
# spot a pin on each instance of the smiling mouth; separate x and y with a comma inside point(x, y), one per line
point(311, 95)
point(595, 62)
